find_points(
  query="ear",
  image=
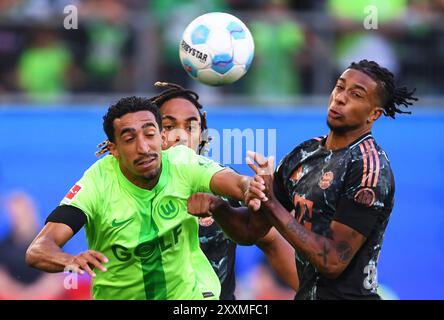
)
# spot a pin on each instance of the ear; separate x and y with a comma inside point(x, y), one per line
point(113, 149)
point(375, 114)
point(164, 138)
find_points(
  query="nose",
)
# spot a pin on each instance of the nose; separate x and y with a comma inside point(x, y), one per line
point(179, 135)
point(142, 145)
point(341, 97)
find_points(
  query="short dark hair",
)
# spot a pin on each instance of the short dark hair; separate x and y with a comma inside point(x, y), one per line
point(390, 95)
point(128, 105)
point(176, 91)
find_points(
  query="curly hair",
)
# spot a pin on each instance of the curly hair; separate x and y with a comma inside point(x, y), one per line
point(391, 96)
point(176, 91)
point(121, 108)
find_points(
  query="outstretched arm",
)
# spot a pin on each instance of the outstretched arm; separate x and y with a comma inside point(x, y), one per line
point(330, 255)
point(246, 228)
point(242, 226)
point(229, 183)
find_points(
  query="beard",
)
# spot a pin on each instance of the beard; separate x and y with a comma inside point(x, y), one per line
point(152, 174)
point(341, 129)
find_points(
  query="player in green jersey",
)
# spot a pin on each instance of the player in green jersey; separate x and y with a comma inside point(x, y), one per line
point(142, 242)
point(184, 123)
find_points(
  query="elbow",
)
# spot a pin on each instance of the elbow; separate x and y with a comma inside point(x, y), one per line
point(243, 240)
point(266, 246)
point(244, 243)
point(331, 275)
point(332, 271)
point(31, 257)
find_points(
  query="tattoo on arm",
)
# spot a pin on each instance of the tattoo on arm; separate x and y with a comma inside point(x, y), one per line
point(344, 251)
point(324, 253)
point(298, 229)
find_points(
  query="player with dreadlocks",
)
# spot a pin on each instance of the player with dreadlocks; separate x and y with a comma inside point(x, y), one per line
point(142, 243)
point(340, 186)
point(184, 123)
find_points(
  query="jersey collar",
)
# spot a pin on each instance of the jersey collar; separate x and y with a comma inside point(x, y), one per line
point(365, 136)
point(353, 144)
point(140, 191)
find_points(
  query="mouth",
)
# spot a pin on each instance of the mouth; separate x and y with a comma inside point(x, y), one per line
point(332, 113)
point(146, 163)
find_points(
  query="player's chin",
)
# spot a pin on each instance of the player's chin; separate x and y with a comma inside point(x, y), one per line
point(151, 174)
point(336, 125)
point(150, 169)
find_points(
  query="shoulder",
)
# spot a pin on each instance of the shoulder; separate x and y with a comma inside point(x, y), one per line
point(94, 180)
point(370, 175)
point(179, 156)
point(369, 156)
point(101, 173)
point(185, 157)
point(312, 143)
point(103, 167)
point(183, 161)
point(177, 150)
point(291, 158)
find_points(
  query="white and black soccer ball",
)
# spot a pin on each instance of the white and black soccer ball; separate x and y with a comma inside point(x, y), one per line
point(216, 49)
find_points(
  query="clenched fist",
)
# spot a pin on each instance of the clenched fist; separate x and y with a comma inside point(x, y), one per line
point(200, 204)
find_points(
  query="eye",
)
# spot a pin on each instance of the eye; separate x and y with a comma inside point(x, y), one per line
point(128, 139)
point(339, 87)
point(192, 127)
point(168, 127)
point(357, 95)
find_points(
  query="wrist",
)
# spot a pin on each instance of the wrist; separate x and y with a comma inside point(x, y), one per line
point(270, 205)
point(67, 261)
point(216, 203)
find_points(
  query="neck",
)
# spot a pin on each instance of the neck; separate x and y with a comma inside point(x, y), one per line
point(339, 140)
point(146, 184)
point(142, 182)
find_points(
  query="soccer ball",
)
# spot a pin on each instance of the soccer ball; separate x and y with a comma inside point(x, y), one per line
point(216, 49)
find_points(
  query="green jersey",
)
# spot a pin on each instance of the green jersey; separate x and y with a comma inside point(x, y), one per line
point(148, 236)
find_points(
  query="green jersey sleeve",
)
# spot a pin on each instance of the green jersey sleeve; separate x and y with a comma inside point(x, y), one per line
point(84, 194)
point(197, 170)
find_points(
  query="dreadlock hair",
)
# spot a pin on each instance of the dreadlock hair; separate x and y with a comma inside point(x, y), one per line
point(176, 91)
point(391, 96)
point(121, 108)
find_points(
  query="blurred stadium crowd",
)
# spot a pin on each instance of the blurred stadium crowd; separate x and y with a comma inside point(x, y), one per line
point(126, 45)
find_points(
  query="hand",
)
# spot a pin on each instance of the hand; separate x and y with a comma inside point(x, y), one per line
point(200, 204)
point(87, 261)
point(261, 187)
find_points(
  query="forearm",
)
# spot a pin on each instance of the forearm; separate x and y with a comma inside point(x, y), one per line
point(321, 251)
point(281, 257)
point(46, 255)
point(230, 184)
point(239, 223)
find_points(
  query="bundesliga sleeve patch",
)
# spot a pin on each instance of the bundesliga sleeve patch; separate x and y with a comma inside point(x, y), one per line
point(72, 193)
